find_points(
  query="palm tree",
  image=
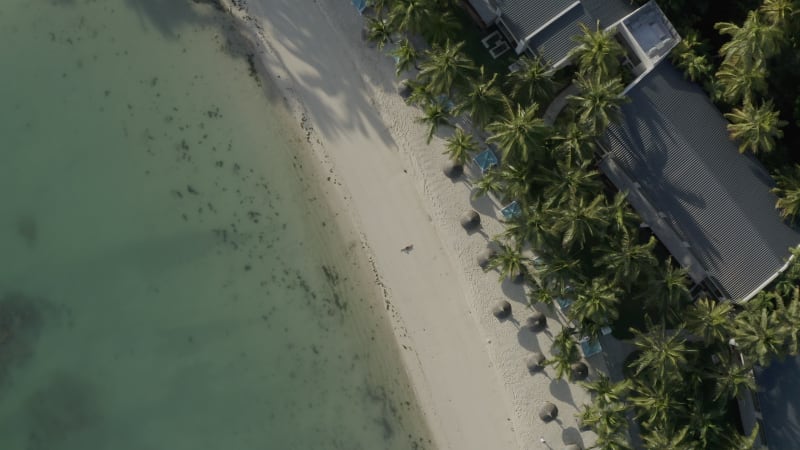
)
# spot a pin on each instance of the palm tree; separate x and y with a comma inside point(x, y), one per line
point(731, 379)
point(595, 302)
point(756, 129)
point(664, 439)
point(420, 93)
point(598, 52)
point(379, 32)
point(490, 182)
point(440, 27)
point(508, 261)
point(606, 392)
point(611, 441)
point(482, 101)
point(752, 43)
point(656, 404)
point(710, 320)
point(776, 12)
point(671, 291)
point(759, 335)
point(574, 143)
point(738, 81)
point(560, 270)
point(406, 56)
point(460, 146)
point(517, 181)
point(579, 220)
point(663, 355)
point(566, 182)
point(410, 15)
point(787, 188)
point(605, 419)
point(446, 67)
point(532, 82)
point(695, 67)
point(519, 132)
point(623, 218)
point(565, 352)
point(434, 115)
point(624, 259)
point(599, 101)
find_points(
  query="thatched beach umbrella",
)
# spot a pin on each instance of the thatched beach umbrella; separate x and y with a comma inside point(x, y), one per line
point(579, 371)
point(535, 362)
point(536, 322)
point(470, 220)
point(502, 309)
point(548, 412)
point(452, 169)
point(404, 90)
point(485, 256)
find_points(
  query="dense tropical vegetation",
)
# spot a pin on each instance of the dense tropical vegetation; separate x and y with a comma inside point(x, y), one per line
point(693, 358)
point(747, 55)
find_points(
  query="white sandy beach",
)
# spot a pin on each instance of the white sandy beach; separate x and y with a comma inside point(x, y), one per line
point(467, 368)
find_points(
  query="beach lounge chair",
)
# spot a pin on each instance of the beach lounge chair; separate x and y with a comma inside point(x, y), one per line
point(563, 303)
point(511, 210)
point(589, 347)
point(486, 160)
point(360, 5)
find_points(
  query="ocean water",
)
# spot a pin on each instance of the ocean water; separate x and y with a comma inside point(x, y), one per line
point(171, 276)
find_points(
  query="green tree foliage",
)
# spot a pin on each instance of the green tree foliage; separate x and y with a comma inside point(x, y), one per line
point(519, 132)
point(460, 146)
point(756, 128)
point(597, 52)
point(599, 101)
point(406, 55)
point(445, 68)
point(532, 82)
point(434, 115)
point(482, 100)
point(787, 188)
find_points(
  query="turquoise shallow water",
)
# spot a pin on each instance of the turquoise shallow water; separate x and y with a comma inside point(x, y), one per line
point(171, 277)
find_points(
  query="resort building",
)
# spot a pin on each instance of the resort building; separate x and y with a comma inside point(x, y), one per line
point(709, 205)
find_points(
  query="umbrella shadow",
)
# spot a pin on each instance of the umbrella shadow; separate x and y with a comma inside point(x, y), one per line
point(561, 390)
point(483, 204)
point(528, 339)
point(514, 291)
point(572, 435)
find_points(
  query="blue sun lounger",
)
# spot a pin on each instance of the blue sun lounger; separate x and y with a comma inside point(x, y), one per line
point(486, 160)
point(511, 211)
point(360, 5)
point(590, 348)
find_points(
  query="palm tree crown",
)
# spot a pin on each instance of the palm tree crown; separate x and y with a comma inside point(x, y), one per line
point(519, 132)
point(599, 101)
point(531, 82)
point(482, 101)
point(756, 128)
point(598, 51)
point(446, 67)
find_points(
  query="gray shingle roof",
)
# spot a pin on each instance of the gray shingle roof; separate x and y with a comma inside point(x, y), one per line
point(779, 401)
point(523, 17)
point(608, 11)
point(554, 42)
point(673, 141)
